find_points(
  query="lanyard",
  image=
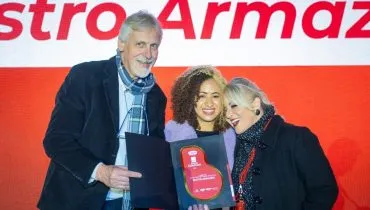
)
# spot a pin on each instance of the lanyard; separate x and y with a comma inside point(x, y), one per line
point(244, 173)
point(241, 205)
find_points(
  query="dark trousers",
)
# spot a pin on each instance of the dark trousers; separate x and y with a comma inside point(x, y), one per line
point(115, 204)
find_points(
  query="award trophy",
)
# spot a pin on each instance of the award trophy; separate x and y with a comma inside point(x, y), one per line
point(202, 172)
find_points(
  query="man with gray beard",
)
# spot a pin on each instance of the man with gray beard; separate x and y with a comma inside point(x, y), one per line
point(97, 103)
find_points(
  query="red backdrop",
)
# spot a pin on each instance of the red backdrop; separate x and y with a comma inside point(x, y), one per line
point(332, 101)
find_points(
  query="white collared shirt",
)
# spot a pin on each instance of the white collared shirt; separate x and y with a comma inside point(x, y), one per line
point(126, 99)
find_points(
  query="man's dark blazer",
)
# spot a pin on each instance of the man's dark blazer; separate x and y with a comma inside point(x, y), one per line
point(82, 132)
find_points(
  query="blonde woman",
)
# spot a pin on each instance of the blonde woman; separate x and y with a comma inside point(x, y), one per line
point(277, 165)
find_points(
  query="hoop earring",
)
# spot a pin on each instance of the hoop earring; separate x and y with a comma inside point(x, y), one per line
point(258, 112)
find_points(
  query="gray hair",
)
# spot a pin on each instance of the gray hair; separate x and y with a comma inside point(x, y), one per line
point(138, 21)
point(242, 92)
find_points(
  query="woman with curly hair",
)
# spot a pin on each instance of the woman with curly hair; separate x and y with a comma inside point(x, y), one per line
point(198, 109)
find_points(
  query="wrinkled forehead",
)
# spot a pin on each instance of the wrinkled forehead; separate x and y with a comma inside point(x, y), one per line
point(150, 33)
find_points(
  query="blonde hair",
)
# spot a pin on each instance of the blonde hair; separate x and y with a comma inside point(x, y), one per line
point(242, 92)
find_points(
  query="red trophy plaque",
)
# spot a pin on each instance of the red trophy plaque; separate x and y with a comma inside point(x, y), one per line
point(202, 173)
point(202, 181)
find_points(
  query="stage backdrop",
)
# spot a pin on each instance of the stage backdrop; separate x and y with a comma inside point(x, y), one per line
point(311, 57)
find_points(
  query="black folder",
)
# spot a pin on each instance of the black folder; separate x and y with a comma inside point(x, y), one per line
point(151, 157)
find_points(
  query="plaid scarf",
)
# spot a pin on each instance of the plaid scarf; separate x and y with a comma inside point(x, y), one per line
point(138, 120)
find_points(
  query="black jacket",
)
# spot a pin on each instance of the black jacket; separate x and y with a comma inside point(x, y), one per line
point(82, 132)
point(291, 171)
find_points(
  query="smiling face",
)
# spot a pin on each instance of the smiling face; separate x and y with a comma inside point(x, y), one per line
point(241, 118)
point(209, 104)
point(140, 51)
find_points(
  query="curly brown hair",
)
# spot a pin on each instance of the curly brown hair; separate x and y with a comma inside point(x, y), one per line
point(185, 93)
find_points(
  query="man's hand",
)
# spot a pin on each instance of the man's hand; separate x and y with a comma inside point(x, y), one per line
point(115, 176)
